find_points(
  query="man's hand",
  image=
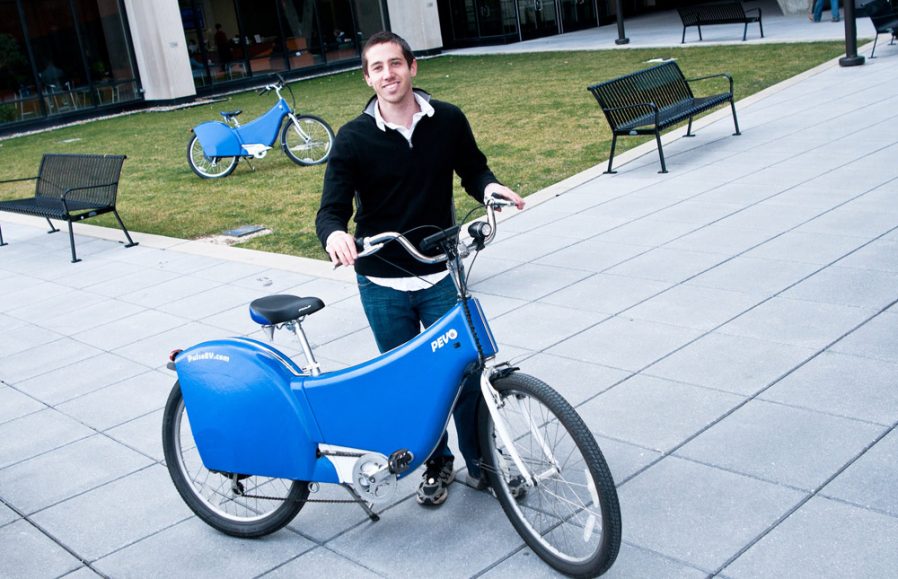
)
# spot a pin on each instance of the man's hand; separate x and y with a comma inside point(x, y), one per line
point(498, 190)
point(341, 248)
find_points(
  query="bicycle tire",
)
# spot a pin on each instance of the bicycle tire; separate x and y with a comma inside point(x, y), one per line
point(311, 148)
point(571, 518)
point(210, 494)
point(208, 167)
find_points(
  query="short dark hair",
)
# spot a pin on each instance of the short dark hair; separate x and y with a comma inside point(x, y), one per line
point(384, 37)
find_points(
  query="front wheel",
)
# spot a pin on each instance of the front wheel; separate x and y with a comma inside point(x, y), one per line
point(236, 504)
point(570, 517)
point(308, 141)
point(208, 167)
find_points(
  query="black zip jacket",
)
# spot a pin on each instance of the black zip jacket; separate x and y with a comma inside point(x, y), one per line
point(398, 187)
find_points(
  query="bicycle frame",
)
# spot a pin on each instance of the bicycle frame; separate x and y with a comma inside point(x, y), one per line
point(222, 140)
point(254, 411)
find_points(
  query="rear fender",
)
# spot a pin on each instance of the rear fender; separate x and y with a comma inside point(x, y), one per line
point(245, 415)
point(218, 139)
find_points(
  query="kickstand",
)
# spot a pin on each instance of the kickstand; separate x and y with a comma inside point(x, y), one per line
point(361, 502)
point(251, 166)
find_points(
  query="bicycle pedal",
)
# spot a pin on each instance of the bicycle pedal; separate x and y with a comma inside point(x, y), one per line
point(400, 460)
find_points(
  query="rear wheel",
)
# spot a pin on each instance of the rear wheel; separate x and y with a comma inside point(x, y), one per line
point(236, 504)
point(570, 517)
point(310, 142)
point(208, 167)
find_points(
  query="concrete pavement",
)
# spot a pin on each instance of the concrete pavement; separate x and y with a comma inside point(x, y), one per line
point(726, 330)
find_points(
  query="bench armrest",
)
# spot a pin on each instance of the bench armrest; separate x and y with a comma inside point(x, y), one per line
point(65, 194)
point(758, 10)
point(21, 179)
point(725, 75)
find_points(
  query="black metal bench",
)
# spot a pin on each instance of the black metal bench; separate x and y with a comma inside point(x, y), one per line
point(72, 188)
point(719, 13)
point(884, 19)
point(649, 100)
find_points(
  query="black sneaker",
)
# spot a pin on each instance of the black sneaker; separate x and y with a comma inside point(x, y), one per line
point(433, 490)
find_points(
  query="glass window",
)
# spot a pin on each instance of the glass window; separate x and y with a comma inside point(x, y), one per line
point(63, 81)
point(338, 30)
point(261, 36)
point(106, 51)
point(301, 38)
point(370, 18)
point(19, 98)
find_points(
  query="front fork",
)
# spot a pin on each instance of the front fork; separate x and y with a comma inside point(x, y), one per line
point(296, 124)
point(493, 403)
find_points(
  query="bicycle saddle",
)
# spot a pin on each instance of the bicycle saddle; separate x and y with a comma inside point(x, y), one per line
point(230, 114)
point(278, 309)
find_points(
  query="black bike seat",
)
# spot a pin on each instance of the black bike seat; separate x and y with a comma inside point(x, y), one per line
point(278, 309)
point(231, 114)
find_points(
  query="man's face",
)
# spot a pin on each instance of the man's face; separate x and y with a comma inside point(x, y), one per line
point(388, 73)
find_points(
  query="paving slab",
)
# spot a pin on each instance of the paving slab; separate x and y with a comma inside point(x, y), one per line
point(782, 444)
point(824, 538)
point(731, 363)
point(697, 513)
point(870, 481)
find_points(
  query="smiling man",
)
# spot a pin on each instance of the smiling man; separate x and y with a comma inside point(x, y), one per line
point(396, 163)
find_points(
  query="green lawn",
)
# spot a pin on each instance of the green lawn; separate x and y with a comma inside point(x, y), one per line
point(531, 113)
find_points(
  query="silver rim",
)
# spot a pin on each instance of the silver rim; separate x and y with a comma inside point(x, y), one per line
point(216, 491)
point(310, 142)
point(562, 511)
point(208, 166)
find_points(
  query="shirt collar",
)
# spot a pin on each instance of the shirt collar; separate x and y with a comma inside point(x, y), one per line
point(423, 104)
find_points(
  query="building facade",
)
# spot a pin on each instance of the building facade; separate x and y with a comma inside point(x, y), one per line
point(67, 59)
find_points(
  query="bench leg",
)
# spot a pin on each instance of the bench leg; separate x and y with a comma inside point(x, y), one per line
point(2, 243)
point(700, 32)
point(660, 152)
point(611, 158)
point(72, 242)
point(761, 26)
point(735, 120)
point(52, 227)
point(689, 129)
point(745, 32)
point(683, 40)
point(131, 242)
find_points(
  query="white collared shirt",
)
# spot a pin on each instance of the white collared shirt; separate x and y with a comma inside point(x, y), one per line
point(426, 111)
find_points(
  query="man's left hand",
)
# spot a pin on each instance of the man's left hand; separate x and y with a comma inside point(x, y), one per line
point(500, 190)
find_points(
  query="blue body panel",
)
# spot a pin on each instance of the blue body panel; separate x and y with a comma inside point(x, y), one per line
point(253, 412)
point(218, 139)
point(221, 140)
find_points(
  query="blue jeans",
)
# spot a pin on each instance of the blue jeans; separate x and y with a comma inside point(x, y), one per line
point(395, 318)
point(818, 9)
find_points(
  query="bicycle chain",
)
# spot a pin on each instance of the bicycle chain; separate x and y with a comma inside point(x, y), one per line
point(282, 499)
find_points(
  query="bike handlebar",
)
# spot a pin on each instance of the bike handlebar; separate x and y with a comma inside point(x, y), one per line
point(481, 232)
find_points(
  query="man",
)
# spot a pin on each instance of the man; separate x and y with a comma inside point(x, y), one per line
point(396, 161)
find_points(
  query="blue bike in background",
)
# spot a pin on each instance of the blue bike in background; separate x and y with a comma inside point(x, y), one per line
point(215, 147)
point(248, 434)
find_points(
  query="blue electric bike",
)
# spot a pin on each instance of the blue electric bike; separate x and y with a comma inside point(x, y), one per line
point(248, 434)
point(215, 147)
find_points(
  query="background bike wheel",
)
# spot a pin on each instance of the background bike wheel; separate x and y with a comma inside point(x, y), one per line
point(212, 495)
point(208, 167)
point(571, 518)
point(311, 148)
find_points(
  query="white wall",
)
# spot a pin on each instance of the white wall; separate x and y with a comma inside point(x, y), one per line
point(160, 49)
point(417, 21)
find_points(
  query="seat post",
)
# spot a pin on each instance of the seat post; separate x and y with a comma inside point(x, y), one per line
point(296, 327)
